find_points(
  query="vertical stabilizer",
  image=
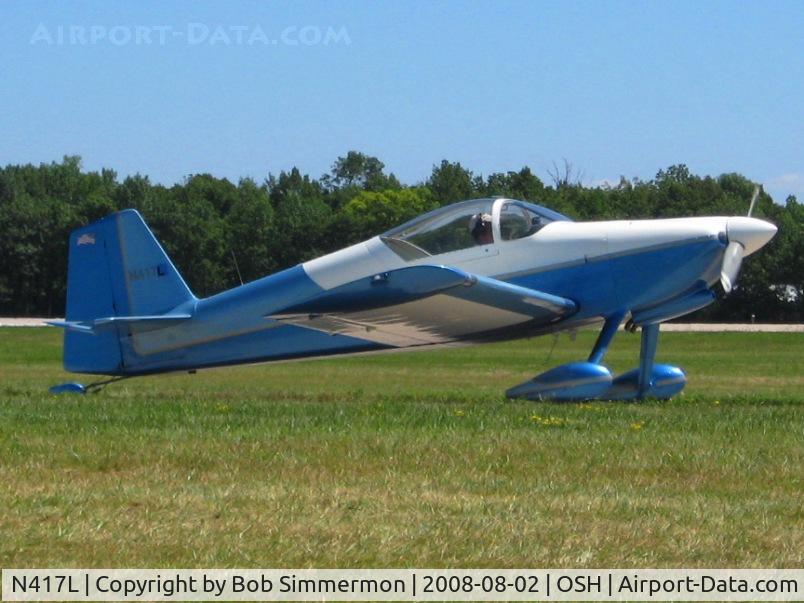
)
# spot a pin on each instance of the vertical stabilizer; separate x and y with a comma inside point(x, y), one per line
point(116, 269)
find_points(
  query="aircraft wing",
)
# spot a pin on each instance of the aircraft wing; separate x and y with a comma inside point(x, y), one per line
point(424, 305)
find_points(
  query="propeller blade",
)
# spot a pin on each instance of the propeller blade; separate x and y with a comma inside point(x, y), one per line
point(753, 200)
point(732, 260)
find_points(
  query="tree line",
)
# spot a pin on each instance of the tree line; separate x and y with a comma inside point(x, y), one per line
point(220, 233)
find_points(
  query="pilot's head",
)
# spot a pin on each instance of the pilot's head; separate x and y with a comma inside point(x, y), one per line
point(480, 227)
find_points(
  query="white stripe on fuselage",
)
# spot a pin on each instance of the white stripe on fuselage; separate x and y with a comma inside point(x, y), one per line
point(557, 244)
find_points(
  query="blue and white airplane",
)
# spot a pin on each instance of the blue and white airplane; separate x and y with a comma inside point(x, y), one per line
point(472, 272)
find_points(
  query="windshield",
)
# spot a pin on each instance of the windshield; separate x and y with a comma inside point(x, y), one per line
point(446, 229)
point(520, 219)
point(466, 224)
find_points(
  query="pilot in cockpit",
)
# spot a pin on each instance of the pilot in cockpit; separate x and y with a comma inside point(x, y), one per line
point(480, 229)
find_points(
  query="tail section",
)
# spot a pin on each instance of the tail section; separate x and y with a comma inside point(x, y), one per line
point(118, 275)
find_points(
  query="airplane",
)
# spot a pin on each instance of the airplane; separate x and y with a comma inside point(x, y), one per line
point(476, 271)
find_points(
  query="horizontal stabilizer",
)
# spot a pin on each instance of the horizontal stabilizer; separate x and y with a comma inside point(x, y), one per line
point(424, 305)
point(142, 323)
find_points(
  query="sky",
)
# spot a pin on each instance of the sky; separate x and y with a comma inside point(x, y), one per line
point(235, 89)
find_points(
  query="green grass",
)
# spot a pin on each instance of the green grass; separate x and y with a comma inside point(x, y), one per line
point(406, 460)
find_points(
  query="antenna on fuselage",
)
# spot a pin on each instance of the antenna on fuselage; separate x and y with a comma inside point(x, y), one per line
point(573, 334)
point(237, 268)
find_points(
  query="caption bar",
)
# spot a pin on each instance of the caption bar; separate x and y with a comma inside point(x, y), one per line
point(402, 585)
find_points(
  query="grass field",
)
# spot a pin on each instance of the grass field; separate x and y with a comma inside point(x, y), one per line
point(406, 460)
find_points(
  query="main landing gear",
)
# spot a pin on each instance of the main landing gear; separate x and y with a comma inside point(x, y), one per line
point(591, 380)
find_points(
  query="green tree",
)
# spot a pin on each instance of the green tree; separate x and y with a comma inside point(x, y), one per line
point(205, 223)
point(360, 171)
point(451, 182)
point(251, 232)
point(523, 184)
point(370, 213)
point(302, 218)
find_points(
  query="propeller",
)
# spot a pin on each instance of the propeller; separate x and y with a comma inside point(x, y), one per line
point(753, 200)
point(733, 256)
point(732, 260)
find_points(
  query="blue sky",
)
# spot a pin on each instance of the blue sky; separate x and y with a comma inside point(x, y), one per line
point(236, 89)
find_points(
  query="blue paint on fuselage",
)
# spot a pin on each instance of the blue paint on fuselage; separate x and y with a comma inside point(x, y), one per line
point(231, 327)
point(281, 343)
point(648, 279)
point(603, 286)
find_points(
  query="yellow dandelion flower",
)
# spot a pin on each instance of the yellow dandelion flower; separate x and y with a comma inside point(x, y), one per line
point(548, 421)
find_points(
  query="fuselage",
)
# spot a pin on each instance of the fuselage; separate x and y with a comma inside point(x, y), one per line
point(624, 266)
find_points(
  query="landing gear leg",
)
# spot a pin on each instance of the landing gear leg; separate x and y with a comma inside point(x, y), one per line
point(648, 380)
point(647, 354)
point(607, 333)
